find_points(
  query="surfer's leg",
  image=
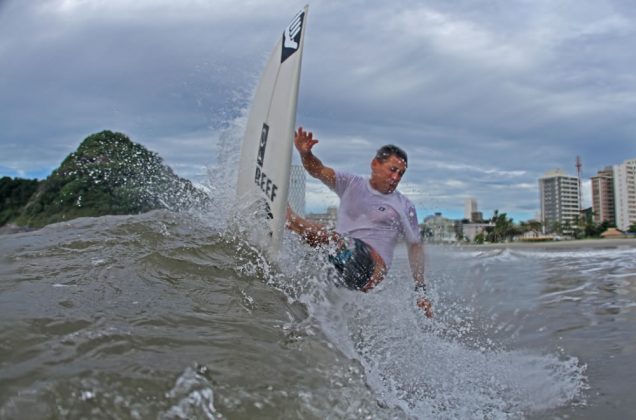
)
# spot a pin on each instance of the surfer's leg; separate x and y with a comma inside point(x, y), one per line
point(313, 233)
point(368, 264)
point(379, 271)
point(360, 266)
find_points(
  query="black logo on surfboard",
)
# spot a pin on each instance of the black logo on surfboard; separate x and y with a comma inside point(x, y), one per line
point(291, 36)
point(265, 183)
point(261, 146)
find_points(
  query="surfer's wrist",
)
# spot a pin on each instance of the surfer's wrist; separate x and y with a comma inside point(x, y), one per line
point(306, 155)
point(420, 288)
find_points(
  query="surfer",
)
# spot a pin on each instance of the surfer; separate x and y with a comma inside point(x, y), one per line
point(371, 217)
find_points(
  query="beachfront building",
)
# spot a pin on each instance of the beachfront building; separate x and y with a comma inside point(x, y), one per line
point(469, 231)
point(297, 182)
point(471, 213)
point(470, 206)
point(438, 228)
point(560, 198)
point(625, 194)
point(603, 196)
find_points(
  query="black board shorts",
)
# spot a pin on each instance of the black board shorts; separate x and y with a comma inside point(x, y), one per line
point(354, 263)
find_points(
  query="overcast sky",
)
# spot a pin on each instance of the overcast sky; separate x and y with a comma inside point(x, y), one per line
point(484, 95)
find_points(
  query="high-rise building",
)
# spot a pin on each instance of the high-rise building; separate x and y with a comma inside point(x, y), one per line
point(625, 194)
point(603, 196)
point(297, 183)
point(470, 207)
point(560, 197)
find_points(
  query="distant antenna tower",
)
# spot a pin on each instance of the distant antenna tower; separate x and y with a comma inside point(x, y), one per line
point(578, 173)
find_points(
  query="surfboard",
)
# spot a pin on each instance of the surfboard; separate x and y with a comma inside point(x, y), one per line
point(266, 150)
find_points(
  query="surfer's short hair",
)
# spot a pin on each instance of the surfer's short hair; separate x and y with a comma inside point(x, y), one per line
point(389, 150)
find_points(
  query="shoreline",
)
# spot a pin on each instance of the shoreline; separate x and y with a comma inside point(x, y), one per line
point(567, 244)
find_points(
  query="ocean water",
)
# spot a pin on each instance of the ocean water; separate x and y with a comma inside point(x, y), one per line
point(173, 315)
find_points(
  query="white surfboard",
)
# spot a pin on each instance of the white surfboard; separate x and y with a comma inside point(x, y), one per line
point(266, 151)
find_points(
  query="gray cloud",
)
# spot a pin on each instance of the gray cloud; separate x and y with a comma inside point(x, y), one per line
point(484, 95)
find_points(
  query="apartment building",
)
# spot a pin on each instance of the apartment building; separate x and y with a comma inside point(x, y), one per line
point(625, 193)
point(560, 198)
point(603, 204)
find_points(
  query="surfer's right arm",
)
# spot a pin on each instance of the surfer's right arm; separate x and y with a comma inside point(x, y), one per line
point(304, 142)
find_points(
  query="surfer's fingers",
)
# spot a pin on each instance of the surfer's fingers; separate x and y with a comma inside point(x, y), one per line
point(428, 309)
point(308, 140)
point(425, 304)
point(300, 134)
point(304, 135)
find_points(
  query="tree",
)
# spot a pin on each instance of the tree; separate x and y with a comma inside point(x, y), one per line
point(14, 194)
point(533, 226)
point(593, 230)
point(556, 227)
point(503, 229)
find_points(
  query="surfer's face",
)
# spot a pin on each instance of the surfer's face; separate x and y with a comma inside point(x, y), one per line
point(387, 174)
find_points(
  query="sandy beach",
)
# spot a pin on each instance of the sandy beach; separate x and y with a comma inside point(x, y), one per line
point(568, 244)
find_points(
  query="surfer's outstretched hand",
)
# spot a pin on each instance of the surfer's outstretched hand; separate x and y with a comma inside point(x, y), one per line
point(304, 141)
point(426, 305)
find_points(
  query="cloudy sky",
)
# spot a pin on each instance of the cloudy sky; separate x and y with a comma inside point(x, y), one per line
point(484, 95)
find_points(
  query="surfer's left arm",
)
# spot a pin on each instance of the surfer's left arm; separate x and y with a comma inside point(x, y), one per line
point(416, 261)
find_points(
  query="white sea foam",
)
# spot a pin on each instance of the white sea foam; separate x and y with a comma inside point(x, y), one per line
point(412, 362)
point(193, 396)
point(441, 368)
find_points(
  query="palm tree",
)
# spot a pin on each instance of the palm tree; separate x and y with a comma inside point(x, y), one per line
point(503, 229)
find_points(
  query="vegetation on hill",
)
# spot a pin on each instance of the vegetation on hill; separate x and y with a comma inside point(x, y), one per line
point(107, 174)
point(14, 195)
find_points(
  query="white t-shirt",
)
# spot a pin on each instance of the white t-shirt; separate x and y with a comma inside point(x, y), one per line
point(377, 219)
